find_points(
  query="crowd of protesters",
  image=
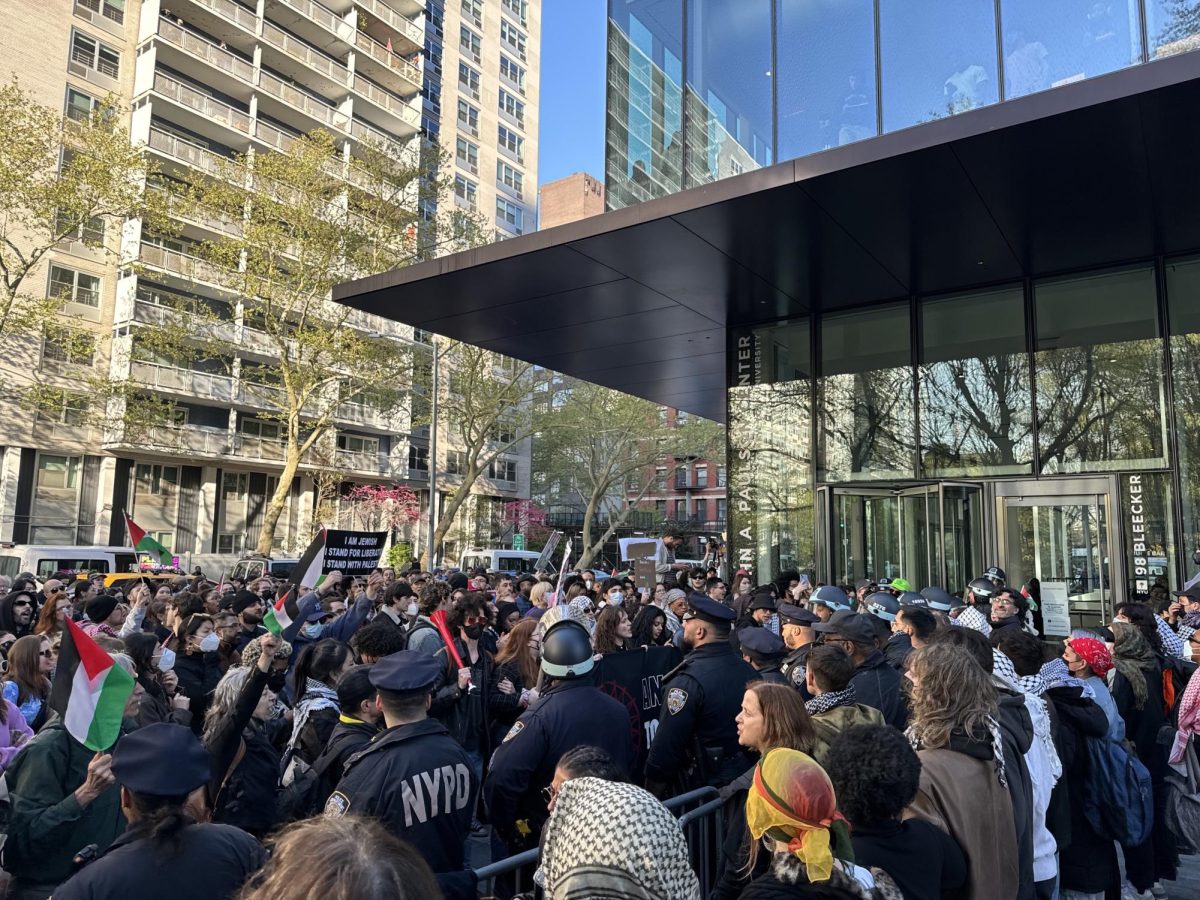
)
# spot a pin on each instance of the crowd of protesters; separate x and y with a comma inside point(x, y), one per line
point(867, 741)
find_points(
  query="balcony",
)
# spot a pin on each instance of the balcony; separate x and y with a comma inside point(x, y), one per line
point(407, 36)
point(375, 464)
point(196, 57)
point(275, 137)
point(225, 20)
point(250, 446)
point(301, 110)
point(314, 22)
point(183, 266)
point(301, 62)
point(385, 66)
point(638, 519)
point(203, 113)
point(183, 151)
point(194, 440)
point(172, 380)
point(196, 218)
point(146, 312)
point(392, 112)
point(363, 416)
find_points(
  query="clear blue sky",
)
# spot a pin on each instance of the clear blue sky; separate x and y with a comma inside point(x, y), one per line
point(571, 138)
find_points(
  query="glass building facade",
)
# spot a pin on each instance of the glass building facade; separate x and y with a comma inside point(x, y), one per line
point(1050, 424)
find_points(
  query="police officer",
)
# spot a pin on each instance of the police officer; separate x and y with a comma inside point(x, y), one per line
point(696, 742)
point(939, 599)
point(765, 651)
point(996, 576)
point(977, 612)
point(158, 767)
point(828, 599)
point(796, 627)
point(413, 777)
point(571, 712)
point(882, 607)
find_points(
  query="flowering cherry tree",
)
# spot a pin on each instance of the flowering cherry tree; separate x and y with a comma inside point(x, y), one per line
point(526, 518)
point(389, 508)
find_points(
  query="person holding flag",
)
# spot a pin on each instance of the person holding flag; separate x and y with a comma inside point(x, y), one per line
point(62, 790)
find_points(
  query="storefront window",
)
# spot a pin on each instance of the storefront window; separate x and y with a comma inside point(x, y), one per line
point(975, 393)
point(826, 62)
point(1173, 26)
point(1099, 367)
point(926, 73)
point(1183, 302)
point(866, 427)
point(1049, 44)
point(770, 508)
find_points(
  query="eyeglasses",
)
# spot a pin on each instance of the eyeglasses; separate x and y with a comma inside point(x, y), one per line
point(550, 792)
point(473, 620)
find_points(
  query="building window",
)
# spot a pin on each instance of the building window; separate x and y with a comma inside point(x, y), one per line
point(473, 10)
point(110, 9)
point(352, 443)
point(68, 346)
point(79, 105)
point(268, 431)
point(470, 43)
point(468, 79)
point(502, 434)
point(502, 470)
point(166, 538)
point(722, 476)
point(701, 510)
point(680, 510)
point(456, 462)
point(701, 476)
point(513, 36)
point(58, 472)
point(511, 105)
point(507, 175)
point(512, 142)
point(513, 72)
point(468, 117)
point(418, 458)
point(660, 507)
point(74, 287)
point(660, 478)
point(99, 57)
point(467, 155)
point(465, 189)
point(231, 543)
point(509, 215)
point(519, 9)
point(157, 480)
point(722, 506)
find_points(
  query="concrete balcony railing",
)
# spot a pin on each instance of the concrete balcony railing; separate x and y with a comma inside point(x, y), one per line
point(184, 381)
point(395, 105)
point(206, 50)
point(314, 59)
point(402, 25)
point(202, 103)
point(273, 136)
point(182, 264)
point(148, 313)
point(183, 151)
point(323, 16)
point(231, 12)
point(384, 57)
point(323, 113)
point(364, 463)
point(382, 140)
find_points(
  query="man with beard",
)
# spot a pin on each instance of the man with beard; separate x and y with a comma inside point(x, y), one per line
point(248, 608)
point(16, 613)
point(701, 698)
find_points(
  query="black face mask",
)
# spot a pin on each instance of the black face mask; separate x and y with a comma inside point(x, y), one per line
point(276, 680)
point(474, 632)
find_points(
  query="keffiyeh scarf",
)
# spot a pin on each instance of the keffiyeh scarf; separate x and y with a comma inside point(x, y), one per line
point(317, 695)
point(831, 700)
point(973, 618)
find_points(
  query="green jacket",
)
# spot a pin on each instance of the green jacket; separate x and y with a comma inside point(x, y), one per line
point(47, 826)
point(828, 725)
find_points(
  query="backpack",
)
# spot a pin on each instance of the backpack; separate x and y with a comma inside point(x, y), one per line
point(1118, 799)
point(1182, 807)
point(304, 788)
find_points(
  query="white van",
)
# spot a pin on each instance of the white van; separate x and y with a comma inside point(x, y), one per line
point(510, 562)
point(251, 568)
point(45, 560)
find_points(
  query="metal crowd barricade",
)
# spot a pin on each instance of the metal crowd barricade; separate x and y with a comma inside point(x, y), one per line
point(701, 816)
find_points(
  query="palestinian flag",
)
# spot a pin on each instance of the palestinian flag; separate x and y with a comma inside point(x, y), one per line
point(89, 691)
point(307, 573)
point(143, 543)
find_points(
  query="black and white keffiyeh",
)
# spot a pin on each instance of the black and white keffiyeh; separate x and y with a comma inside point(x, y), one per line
point(831, 700)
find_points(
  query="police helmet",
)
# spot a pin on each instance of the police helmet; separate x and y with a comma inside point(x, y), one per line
point(883, 605)
point(983, 589)
point(567, 650)
point(912, 598)
point(996, 576)
point(940, 598)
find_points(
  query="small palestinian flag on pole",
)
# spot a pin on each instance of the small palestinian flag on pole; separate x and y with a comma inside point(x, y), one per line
point(89, 691)
point(143, 543)
point(307, 573)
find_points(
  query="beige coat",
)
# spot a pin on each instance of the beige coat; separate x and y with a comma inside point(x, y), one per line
point(962, 796)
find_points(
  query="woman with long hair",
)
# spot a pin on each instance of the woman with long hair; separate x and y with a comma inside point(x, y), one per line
point(197, 664)
point(55, 608)
point(613, 630)
point(772, 715)
point(650, 627)
point(27, 681)
point(516, 675)
point(955, 732)
point(155, 667)
point(315, 688)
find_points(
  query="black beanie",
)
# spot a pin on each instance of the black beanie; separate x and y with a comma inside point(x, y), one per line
point(100, 607)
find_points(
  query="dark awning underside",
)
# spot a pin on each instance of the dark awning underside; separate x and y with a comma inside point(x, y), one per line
point(1090, 174)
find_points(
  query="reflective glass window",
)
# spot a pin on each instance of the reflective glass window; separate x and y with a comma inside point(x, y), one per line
point(927, 74)
point(1183, 303)
point(826, 62)
point(729, 88)
point(1099, 368)
point(1048, 44)
point(866, 427)
point(1173, 26)
point(975, 414)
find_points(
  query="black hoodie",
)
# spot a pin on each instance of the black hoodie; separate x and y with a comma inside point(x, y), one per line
point(8, 622)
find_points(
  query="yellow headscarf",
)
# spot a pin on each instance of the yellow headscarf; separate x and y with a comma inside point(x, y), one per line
point(792, 800)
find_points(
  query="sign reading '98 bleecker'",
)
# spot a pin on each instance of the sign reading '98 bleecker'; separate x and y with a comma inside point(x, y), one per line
point(1145, 500)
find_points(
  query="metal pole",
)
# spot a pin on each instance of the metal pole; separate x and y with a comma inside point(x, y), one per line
point(433, 429)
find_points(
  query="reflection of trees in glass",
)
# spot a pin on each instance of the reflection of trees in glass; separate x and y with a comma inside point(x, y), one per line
point(1185, 360)
point(1101, 404)
point(975, 415)
point(1182, 31)
point(867, 424)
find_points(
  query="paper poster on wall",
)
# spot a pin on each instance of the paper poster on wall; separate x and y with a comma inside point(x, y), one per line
point(1056, 609)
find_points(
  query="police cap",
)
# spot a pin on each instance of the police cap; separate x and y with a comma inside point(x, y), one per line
point(791, 614)
point(406, 672)
point(702, 607)
point(939, 598)
point(761, 645)
point(163, 760)
point(832, 596)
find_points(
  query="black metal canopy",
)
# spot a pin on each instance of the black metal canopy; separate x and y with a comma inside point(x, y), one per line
point(1090, 174)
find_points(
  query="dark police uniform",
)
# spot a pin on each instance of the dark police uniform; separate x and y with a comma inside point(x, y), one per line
point(766, 652)
point(570, 714)
point(793, 665)
point(696, 741)
point(414, 778)
point(213, 862)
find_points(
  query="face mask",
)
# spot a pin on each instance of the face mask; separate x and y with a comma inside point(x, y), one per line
point(276, 680)
point(616, 597)
point(167, 661)
point(474, 632)
point(210, 643)
point(412, 610)
point(314, 630)
point(588, 582)
point(1188, 650)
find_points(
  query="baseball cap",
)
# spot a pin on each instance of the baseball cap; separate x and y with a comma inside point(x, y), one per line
point(854, 627)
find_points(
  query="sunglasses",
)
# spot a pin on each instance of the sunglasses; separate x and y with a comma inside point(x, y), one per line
point(6, 646)
point(49, 654)
point(22, 603)
point(473, 620)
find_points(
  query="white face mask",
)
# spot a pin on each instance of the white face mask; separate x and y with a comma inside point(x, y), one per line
point(210, 642)
point(166, 662)
point(1188, 650)
point(615, 598)
point(412, 610)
